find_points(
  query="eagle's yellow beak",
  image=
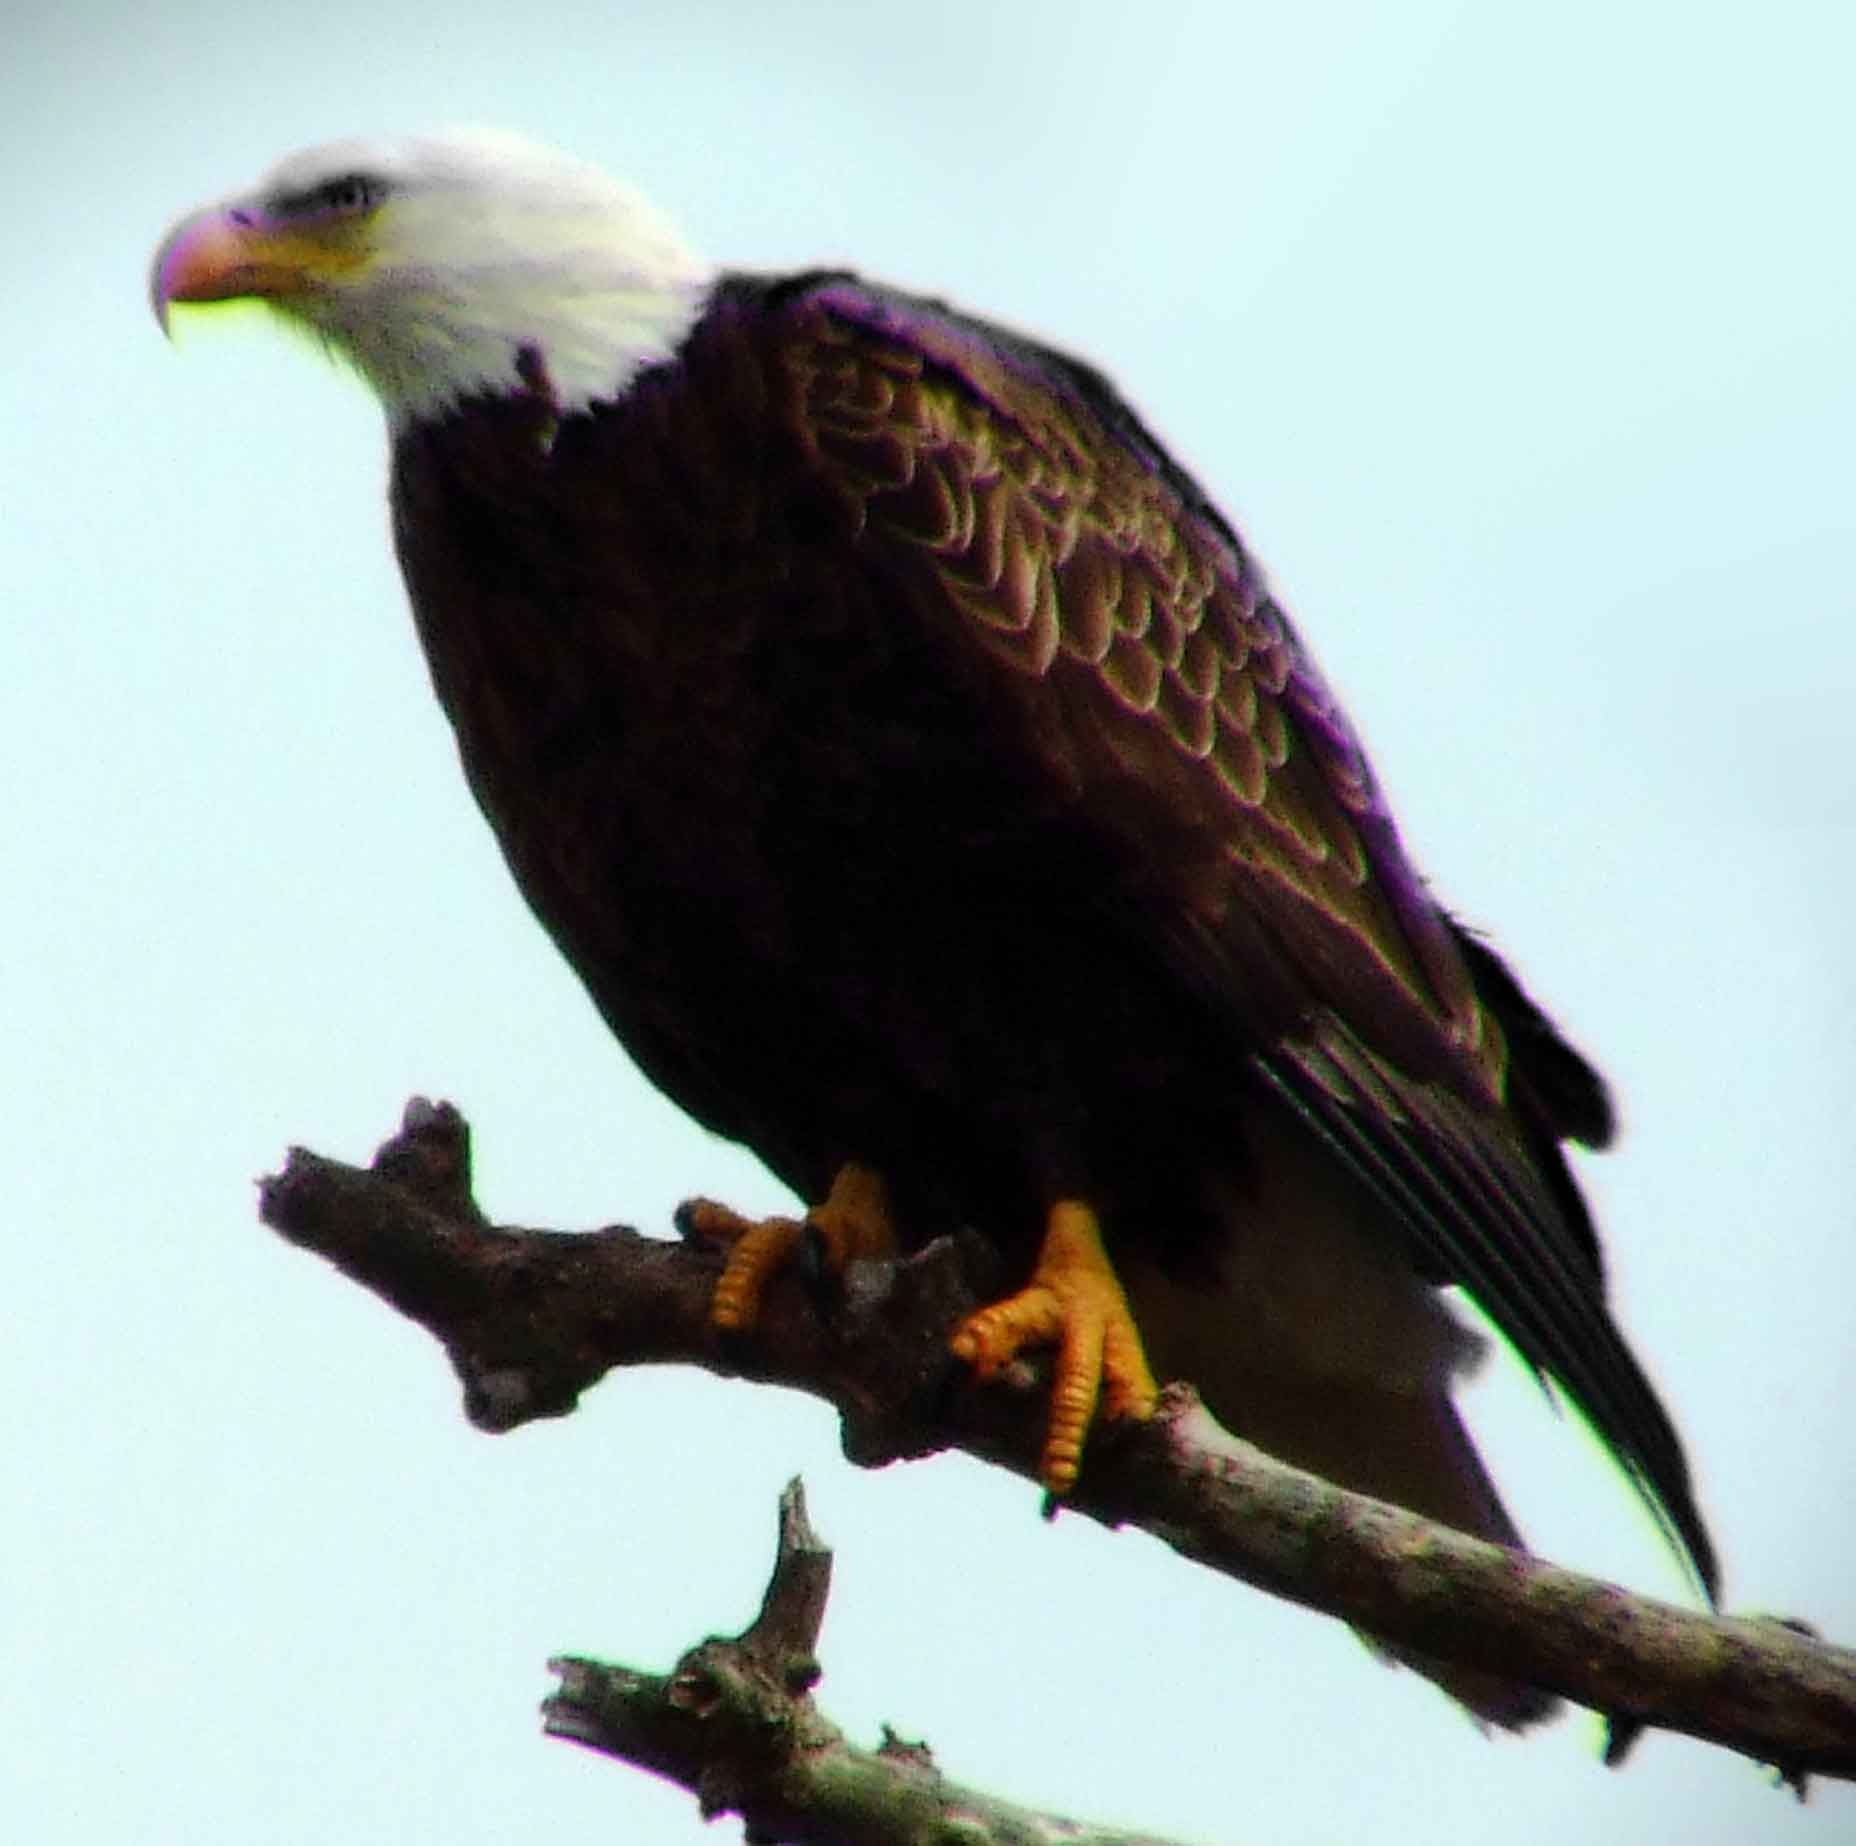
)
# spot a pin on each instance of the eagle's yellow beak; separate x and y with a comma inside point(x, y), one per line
point(232, 252)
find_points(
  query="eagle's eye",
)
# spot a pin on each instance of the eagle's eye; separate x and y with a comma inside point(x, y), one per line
point(346, 196)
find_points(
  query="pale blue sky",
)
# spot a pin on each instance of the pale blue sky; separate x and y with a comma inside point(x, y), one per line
point(1517, 340)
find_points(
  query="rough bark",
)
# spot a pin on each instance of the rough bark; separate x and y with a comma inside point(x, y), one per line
point(532, 1318)
point(735, 1723)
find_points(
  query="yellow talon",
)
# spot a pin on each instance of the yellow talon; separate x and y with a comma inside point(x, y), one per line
point(1074, 1298)
point(853, 1220)
point(758, 1251)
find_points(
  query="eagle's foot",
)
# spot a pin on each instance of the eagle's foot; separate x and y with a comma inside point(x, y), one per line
point(1075, 1299)
point(852, 1221)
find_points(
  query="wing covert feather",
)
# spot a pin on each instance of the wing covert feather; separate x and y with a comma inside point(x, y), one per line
point(1074, 557)
point(1081, 557)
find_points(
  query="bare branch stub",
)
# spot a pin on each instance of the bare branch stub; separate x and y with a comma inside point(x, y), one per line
point(784, 1636)
point(735, 1723)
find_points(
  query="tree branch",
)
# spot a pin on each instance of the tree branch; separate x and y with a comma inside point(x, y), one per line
point(735, 1724)
point(531, 1318)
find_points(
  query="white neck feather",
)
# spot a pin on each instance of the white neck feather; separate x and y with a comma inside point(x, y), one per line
point(486, 249)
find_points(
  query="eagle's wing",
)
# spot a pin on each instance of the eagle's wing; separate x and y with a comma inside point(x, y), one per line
point(1263, 862)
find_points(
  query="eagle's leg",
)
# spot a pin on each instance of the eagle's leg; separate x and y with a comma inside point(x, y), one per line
point(1075, 1299)
point(852, 1221)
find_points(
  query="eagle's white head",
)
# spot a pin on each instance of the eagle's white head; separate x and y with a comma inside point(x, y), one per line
point(449, 265)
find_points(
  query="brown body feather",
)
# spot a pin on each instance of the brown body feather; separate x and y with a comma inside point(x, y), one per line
point(917, 772)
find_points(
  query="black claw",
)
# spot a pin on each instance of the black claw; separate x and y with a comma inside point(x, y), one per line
point(823, 1285)
point(733, 1343)
point(1621, 1734)
point(683, 1220)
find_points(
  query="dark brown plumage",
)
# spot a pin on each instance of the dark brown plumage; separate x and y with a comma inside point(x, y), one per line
point(918, 773)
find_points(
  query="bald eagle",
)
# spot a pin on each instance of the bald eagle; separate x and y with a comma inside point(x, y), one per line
point(916, 769)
